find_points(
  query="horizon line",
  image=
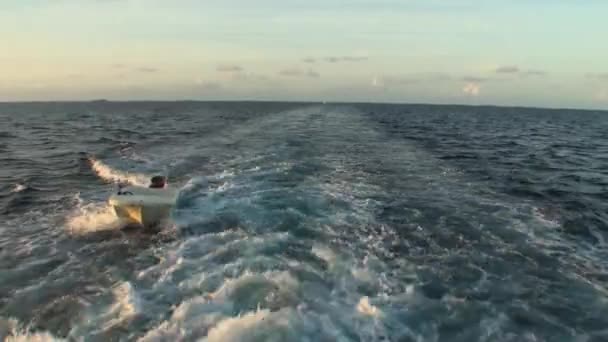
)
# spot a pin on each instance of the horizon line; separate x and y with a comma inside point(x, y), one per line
point(310, 102)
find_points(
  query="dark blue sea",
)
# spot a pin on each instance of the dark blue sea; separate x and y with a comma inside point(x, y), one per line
point(305, 222)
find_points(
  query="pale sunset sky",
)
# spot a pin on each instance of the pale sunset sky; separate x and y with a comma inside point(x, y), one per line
point(549, 53)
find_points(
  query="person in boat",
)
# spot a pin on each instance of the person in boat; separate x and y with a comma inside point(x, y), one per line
point(158, 182)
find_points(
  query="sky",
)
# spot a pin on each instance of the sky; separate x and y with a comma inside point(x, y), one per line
point(547, 53)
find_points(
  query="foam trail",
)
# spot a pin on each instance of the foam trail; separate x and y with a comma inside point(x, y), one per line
point(108, 173)
point(18, 188)
point(92, 217)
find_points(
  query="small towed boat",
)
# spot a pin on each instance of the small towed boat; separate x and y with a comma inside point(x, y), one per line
point(147, 207)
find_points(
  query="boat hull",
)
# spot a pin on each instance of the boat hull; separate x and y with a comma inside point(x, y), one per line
point(145, 207)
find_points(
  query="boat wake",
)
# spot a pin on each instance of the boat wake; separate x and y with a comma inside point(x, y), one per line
point(333, 223)
point(110, 174)
point(87, 218)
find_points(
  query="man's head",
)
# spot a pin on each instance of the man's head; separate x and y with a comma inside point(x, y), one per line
point(158, 182)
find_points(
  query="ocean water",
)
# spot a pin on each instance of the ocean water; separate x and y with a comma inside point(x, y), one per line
point(305, 222)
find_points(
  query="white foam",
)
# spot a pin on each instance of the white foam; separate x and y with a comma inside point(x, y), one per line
point(324, 253)
point(92, 217)
point(366, 308)
point(211, 313)
point(127, 304)
point(284, 284)
point(225, 187)
point(238, 328)
point(12, 331)
point(222, 175)
point(110, 174)
point(201, 320)
point(18, 188)
point(192, 317)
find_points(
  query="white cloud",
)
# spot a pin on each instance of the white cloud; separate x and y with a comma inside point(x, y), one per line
point(472, 89)
point(229, 68)
point(602, 95)
point(507, 69)
point(474, 79)
point(338, 59)
point(296, 72)
point(208, 85)
point(410, 78)
point(534, 72)
point(248, 76)
point(147, 70)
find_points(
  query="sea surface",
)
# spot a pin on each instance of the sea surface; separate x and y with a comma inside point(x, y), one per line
point(305, 222)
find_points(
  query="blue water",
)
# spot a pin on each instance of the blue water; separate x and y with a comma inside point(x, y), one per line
point(306, 222)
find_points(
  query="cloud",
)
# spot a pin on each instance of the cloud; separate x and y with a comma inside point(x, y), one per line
point(229, 68)
point(238, 73)
point(533, 72)
point(354, 59)
point(248, 76)
point(382, 81)
point(385, 81)
point(295, 72)
point(507, 69)
point(598, 76)
point(143, 69)
point(309, 60)
point(334, 59)
point(147, 70)
point(208, 85)
point(474, 79)
point(472, 89)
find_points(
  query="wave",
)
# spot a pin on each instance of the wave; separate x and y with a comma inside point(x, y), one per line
point(127, 305)
point(241, 327)
point(108, 173)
